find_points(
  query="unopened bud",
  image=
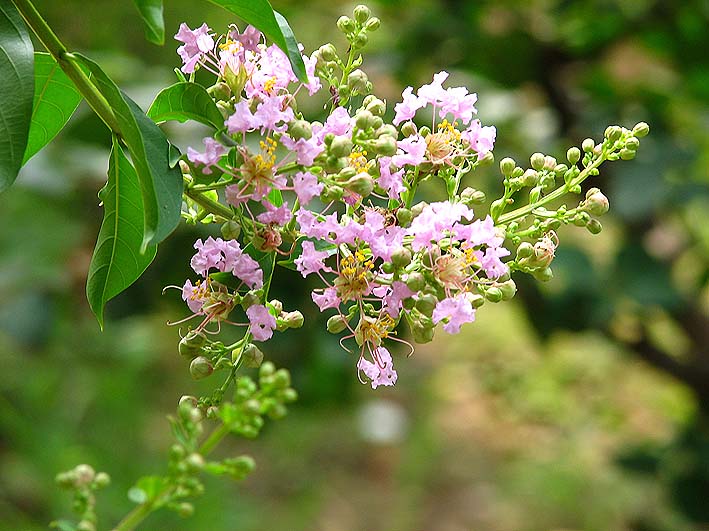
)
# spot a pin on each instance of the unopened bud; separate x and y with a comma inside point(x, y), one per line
point(328, 52)
point(361, 13)
point(219, 91)
point(201, 367)
point(194, 462)
point(408, 128)
point(549, 163)
point(345, 24)
point(627, 154)
point(357, 81)
point(187, 401)
point(613, 133)
point(471, 196)
point(530, 178)
point(341, 146)
point(594, 226)
point(426, 304)
point(102, 480)
point(300, 129)
point(587, 145)
point(385, 145)
point(373, 24)
point(525, 250)
point(293, 319)
point(364, 119)
point(543, 275)
point(336, 324)
point(185, 510)
point(191, 345)
point(361, 40)
point(404, 216)
point(401, 257)
point(537, 161)
point(493, 294)
point(230, 230)
point(507, 166)
point(632, 143)
point(641, 129)
point(84, 475)
point(596, 202)
point(331, 193)
point(508, 289)
point(415, 281)
point(361, 184)
point(573, 155)
point(376, 106)
point(252, 356)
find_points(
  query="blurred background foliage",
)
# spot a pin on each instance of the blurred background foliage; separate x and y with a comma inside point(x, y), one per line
point(582, 405)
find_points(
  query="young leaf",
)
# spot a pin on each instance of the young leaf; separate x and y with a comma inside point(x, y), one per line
point(55, 100)
point(154, 25)
point(186, 101)
point(160, 182)
point(16, 90)
point(117, 261)
point(273, 25)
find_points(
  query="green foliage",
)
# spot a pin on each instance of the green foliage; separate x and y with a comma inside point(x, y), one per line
point(260, 14)
point(55, 100)
point(186, 101)
point(154, 25)
point(16, 89)
point(117, 261)
point(160, 182)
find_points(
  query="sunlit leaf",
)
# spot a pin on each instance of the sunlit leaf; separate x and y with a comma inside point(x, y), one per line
point(151, 13)
point(186, 101)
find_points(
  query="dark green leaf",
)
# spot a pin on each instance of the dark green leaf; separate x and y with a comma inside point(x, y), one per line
point(63, 525)
point(151, 13)
point(55, 100)
point(117, 261)
point(16, 92)
point(186, 101)
point(273, 25)
point(160, 183)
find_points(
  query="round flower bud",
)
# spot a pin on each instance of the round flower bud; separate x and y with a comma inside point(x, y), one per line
point(377, 107)
point(408, 128)
point(331, 193)
point(543, 275)
point(276, 305)
point(195, 462)
point(373, 24)
point(581, 219)
point(508, 289)
point(281, 379)
point(530, 178)
point(471, 196)
point(345, 24)
point(487, 160)
point(415, 281)
point(613, 133)
point(219, 91)
point(341, 146)
point(84, 474)
point(507, 166)
point(364, 119)
point(300, 129)
point(361, 13)
point(401, 257)
point(422, 329)
point(191, 345)
point(387, 130)
point(328, 51)
point(573, 155)
point(627, 154)
point(641, 129)
point(385, 145)
point(426, 304)
point(293, 319)
point(85, 525)
point(225, 108)
point(493, 294)
point(360, 41)
point(596, 202)
point(230, 230)
point(361, 184)
point(252, 356)
point(266, 370)
point(185, 510)
point(550, 164)
point(537, 161)
point(66, 480)
point(102, 480)
point(357, 81)
point(594, 226)
point(632, 143)
point(336, 324)
point(289, 395)
point(187, 400)
point(476, 299)
point(346, 173)
point(525, 250)
point(201, 367)
point(588, 145)
point(404, 216)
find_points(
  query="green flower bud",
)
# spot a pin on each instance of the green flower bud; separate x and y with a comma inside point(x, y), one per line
point(341, 146)
point(66, 480)
point(267, 369)
point(387, 130)
point(361, 184)
point(336, 324)
point(415, 281)
point(549, 163)
point(361, 13)
point(418, 208)
point(560, 169)
point(289, 395)
point(487, 160)
point(346, 173)
point(408, 128)
point(240, 467)
point(588, 145)
point(195, 462)
point(235, 80)
point(357, 82)
point(249, 299)
point(276, 305)
point(187, 401)
point(543, 275)
point(404, 216)
point(530, 178)
point(525, 250)
point(300, 129)
point(360, 41)
point(331, 193)
point(508, 289)
point(86, 525)
point(252, 356)
point(632, 143)
point(185, 510)
point(191, 345)
point(281, 379)
point(293, 319)
point(641, 129)
point(102, 480)
point(496, 208)
point(627, 154)
point(537, 161)
point(219, 91)
point(507, 166)
point(84, 475)
point(201, 367)
point(613, 133)
point(422, 328)
point(225, 109)
point(328, 51)
point(594, 226)
point(581, 219)
point(373, 24)
point(596, 202)
point(426, 304)
point(364, 119)
point(345, 24)
point(471, 196)
point(385, 145)
point(377, 107)
point(476, 300)
point(493, 294)
point(425, 131)
point(573, 155)
point(230, 230)
point(401, 257)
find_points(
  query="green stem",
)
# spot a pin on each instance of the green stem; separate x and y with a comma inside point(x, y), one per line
point(215, 207)
point(68, 63)
point(527, 209)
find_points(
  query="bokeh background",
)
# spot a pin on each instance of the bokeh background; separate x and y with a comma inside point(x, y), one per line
point(581, 405)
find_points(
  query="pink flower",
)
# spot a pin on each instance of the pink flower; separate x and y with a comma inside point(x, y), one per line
point(248, 270)
point(408, 106)
point(456, 310)
point(481, 139)
point(435, 221)
point(327, 299)
point(305, 150)
point(338, 123)
point(381, 372)
point(212, 153)
point(196, 43)
point(306, 186)
point(208, 256)
point(194, 296)
point(314, 84)
point(391, 182)
point(434, 92)
point(262, 322)
point(278, 215)
point(413, 150)
point(491, 263)
point(271, 112)
point(249, 39)
point(310, 260)
point(242, 120)
point(392, 301)
point(458, 102)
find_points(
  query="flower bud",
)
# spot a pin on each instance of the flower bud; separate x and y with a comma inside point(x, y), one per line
point(361, 13)
point(361, 184)
point(537, 161)
point(86, 525)
point(235, 80)
point(219, 91)
point(415, 281)
point(357, 82)
point(376, 106)
point(293, 319)
point(408, 128)
point(361, 40)
point(471, 196)
point(508, 289)
point(385, 145)
point(364, 119)
point(266, 370)
point(426, 304)
point(401, 257)
point(404, 216)
point(185, 510)
point(331, 193)
point(596, 202)
point(573, 155)
point(281, 379)
point(507, 166)
point(300, 129)
point(493, 294)
point(581, 219)
point(418, 208)
point(341, 146)
point(102, 480)
point(530, 178)
point(588, 145)
point(187, 401)
point(487, 159)
point(543, 275)
point(627, 154)
point(422, 328)
point(594, 226)
point(372, 24)
point(252, 356)
point(201, 367)
point(84, 475)
point(191, 345)
point(328, 52)
point(632, 144)
point(525, 250)
point(387, 130)
point(230, 230)
point(425, 131)
point(195, 462)
point(550, 164)
point(613, 133)
point(336, 324)
point(345, 24)
point(641, 129)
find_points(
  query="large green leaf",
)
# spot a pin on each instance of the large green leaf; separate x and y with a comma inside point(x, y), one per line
point(151, 13)
point(160, 181)
point(16, 92)
point(273, 25)
point(55, 100)
point(186, 101)
point(117, 261)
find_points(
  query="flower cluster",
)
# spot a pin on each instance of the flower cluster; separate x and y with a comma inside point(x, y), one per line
point(337, 198)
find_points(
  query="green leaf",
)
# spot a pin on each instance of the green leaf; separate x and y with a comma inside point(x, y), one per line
point(55, 100)
point(186, 101)
point(160, 182)
point(16, 92)
point(117, 261)
point(154, 25)
point(273, 25)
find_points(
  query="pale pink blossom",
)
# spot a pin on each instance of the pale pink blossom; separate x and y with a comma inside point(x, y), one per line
point(456, 311)
point(262, 323)
point(381, 372)
point(197, 42)
point(212, 153)
point(310, 260)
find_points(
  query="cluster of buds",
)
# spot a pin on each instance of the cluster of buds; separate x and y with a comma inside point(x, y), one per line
point(337, 199)
point(83, 481)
